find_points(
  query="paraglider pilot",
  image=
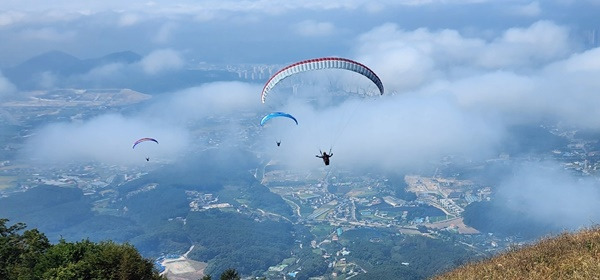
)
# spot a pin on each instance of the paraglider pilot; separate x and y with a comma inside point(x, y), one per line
point(325, 156)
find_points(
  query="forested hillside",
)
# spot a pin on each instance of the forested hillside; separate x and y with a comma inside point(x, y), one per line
point(27, 254)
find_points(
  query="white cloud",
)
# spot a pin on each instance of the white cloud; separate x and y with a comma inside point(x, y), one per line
point(173, 119)
point(191, 7)
point(500, 92)
point(231, 23)
point(547, 193)
point(411, 131)
point(406, 60)
point(47, 80)
point(48, 34)
point(219, 98)
point(106, 139)
point(580, 62)
point(311, 28)
point(532, 9)
point(518, 99)
point(205, 15)
point(398, 132)
point(164, 33)
point(128, 19)
point(108, 73)
point(565, 91)
point(542, 42)
point(10, 17)
point(6, 87)
point(105, 71)
point(161, 60)
point(449, 102)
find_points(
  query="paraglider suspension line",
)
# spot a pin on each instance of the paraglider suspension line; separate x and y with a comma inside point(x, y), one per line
point(345, 124)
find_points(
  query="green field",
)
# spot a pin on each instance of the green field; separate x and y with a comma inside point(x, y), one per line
point(322, 230)
point(228, 209)
point(289, 261)
point(107, 211)
point(304, 210)
point(243, 201)
point(102, 206)
point(362, 193)
point(439, 218)
point(7, 182)
point(322, 216)
point(307, 195)
point(102, 202)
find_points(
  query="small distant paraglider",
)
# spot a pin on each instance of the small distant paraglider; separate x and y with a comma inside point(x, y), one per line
point(277, 115)
point(144, 140)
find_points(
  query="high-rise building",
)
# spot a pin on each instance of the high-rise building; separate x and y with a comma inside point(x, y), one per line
point(592, 38)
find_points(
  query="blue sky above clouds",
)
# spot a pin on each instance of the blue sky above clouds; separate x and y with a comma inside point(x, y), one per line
point(254, 31)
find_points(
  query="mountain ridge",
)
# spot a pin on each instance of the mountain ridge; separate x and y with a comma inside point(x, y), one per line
point(58, 69)
point(61, 64)
point(565, 256)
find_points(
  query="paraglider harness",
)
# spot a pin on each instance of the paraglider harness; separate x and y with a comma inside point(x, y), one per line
point(325, 156)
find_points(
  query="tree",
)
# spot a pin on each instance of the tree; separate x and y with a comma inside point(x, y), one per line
point(19, 254)
point(31, 256)
point(230, 274)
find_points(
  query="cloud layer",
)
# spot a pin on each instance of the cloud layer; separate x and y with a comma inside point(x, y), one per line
point(458, 77)
point(545, 192)
point(6, 87)
point(409, 59)
point(262, 28)
point(174, 120)
point(108, 139)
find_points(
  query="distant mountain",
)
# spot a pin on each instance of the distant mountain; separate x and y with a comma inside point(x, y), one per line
point(56, 69)
point(60, 66)
point(48, 208)
point(55, 61)
point(127, 57)
point(24, 75)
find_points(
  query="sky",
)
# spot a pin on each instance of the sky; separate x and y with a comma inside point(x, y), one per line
point(267, 30)
point(458, 75)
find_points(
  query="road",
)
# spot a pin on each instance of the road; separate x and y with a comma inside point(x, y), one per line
point(185, 255)
point(265, 213)
point(296, 206)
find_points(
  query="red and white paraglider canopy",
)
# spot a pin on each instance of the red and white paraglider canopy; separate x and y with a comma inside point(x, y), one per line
point(317, 64)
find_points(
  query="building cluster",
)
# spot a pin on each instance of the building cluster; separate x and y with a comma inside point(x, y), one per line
point(254, 72)
point(203, 201)
point(446, 194)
